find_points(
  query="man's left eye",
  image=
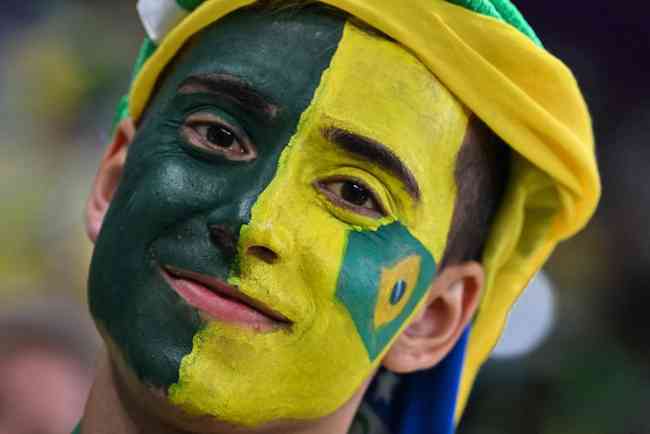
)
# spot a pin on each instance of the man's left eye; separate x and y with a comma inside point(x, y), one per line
point(214, 135)
point(354, 195)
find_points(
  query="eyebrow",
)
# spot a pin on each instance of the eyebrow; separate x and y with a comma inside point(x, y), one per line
point(374, 152)
point(234, 89)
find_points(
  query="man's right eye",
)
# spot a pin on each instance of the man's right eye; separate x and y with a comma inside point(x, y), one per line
point(214, 135)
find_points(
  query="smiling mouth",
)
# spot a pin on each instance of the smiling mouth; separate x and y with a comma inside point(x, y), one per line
point(222, 302)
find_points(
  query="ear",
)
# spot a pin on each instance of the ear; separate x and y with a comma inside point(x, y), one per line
point(451, 304)
point(108, 177)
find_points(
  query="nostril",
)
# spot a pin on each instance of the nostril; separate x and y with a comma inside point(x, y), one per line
point(224, 239)
point(265, 254)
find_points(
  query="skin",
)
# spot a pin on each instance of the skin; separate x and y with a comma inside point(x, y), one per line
point(286, 235)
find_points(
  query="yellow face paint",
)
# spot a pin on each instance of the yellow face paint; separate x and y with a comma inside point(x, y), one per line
point(377, 90)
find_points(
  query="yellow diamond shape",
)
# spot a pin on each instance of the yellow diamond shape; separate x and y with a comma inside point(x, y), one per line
point(407, 270)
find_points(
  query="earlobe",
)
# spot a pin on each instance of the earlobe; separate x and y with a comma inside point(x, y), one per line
point(108, 177)
point(452, 301)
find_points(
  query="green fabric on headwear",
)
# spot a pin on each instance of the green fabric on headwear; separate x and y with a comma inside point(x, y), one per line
point(502, 10)
point(189, 5)
point(146, 50)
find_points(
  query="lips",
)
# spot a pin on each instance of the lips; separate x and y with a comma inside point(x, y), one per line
point(222, 302)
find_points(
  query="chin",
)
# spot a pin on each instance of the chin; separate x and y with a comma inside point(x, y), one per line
point(146, 403)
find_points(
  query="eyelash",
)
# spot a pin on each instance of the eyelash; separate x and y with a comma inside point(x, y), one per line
point(197, 139)
point(322, 186)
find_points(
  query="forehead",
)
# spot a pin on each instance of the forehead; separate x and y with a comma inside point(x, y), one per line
point(279, 54)
point(377, 87)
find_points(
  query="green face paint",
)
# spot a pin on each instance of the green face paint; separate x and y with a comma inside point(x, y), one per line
point(384, 276)
point(170, 195)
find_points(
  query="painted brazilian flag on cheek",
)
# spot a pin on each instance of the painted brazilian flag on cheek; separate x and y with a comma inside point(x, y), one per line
point(385, 273)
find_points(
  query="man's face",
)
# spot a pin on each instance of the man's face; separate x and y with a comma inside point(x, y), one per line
point(280, 215)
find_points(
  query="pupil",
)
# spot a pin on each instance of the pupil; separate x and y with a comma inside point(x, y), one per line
point(398, 292)
point(220, 137)
point(354, 193)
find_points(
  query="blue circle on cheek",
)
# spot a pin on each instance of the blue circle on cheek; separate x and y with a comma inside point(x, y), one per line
point(398, 292)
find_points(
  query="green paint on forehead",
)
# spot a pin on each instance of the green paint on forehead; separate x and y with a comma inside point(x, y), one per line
point(385, 274)
point(171, 195)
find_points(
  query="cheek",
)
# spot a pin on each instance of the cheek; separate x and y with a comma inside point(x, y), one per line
point(164, 189)
point(385, 274)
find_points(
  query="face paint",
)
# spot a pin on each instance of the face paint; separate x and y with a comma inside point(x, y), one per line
point(173, 195)
point(347, 275)
point(382, 292)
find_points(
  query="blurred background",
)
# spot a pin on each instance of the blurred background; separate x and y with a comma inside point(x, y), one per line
point(582, 364)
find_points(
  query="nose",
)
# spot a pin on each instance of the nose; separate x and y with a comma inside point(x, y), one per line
point(235, 230)
point(267, 242)
point(226, 240)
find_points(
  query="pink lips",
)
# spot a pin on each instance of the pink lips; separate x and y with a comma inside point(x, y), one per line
point(221, 301)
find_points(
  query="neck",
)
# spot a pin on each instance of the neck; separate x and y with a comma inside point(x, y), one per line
point(113, 409)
